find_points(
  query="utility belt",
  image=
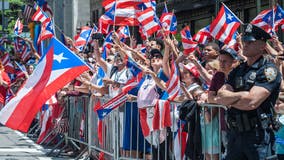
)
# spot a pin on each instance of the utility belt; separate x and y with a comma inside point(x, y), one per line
point(242, 122)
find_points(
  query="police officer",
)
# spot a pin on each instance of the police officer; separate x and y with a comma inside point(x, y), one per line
point(250, 93)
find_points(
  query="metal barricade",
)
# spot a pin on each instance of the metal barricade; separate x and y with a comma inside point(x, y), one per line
point(122, 136)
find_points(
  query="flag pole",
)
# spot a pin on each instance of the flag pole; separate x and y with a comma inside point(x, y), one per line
point(233, 13)
point(114, 16)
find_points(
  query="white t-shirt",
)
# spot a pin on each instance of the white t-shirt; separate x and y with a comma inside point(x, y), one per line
point(119, 76)
point(147, 94)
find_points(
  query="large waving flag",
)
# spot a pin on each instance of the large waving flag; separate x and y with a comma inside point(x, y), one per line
point(56, 68)
point(188, 44)
point(224, 25)
point(18, 29)
point(83, 38)
point(264, 20)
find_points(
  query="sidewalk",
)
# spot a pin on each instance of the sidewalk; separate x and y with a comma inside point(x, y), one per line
point(16, 146)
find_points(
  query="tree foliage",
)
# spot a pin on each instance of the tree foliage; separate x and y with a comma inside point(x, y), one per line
point(11, 14)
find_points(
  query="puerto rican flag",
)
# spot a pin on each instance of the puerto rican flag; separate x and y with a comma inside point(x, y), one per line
point(107, 4)
point(147, 20)
point(21, 72)
point(55, 69)
point(25, 52)
point(47, 31)
point(9, 67)
point(46, 122)
point(104, 24)
point(203, 35)
point(224, 25)
point(264, 20)
point(279, 17)
point(173, 85)
point(39, 15)
point(188, 44)
point(108, 41)
point(180, 139)
point(83, 38)
point(18, 29)
point(123, 12)
point(123, 33)
point(169, 22)
point(148, 4)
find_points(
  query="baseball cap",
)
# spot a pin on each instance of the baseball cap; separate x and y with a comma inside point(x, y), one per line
point(253, 33)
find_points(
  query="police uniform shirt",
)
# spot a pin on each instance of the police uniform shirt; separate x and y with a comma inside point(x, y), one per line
point(262, 73)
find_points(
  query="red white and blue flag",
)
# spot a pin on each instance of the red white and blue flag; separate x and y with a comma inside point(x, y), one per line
point(9, 67)
point(83, 38)
point(18, 29)
point(147, 21)
point(107, 4)
point(104, 24)
point(39, 15)
point(55, 69)
point(188, 44)
point(123, 12)
point(180, 139)
point(264, 20)
point(123, 33)
point(148, 4)
point(47, 31)
point(46, 122)
point(279, 17)
point(203, 35)
point(173, 85)
point(224, 25)
point(21, 71)
point(108, 41)
point(169, 23)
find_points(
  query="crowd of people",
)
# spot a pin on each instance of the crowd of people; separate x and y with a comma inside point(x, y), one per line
point(246, 81)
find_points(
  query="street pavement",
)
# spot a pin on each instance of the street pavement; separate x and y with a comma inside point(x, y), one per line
point(16, 146)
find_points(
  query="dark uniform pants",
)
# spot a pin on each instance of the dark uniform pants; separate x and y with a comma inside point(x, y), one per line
point(248, 145)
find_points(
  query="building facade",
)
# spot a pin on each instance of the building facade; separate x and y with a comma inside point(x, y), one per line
point(200, 13)
point(70, 14)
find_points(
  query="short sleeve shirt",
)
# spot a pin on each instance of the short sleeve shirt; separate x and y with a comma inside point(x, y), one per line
point(262, 73)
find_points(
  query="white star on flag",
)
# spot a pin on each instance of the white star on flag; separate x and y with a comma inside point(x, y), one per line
point(59, 57)
point(230, 17)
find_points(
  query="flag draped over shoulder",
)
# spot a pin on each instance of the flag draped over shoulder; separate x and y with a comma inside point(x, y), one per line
point(56, 68)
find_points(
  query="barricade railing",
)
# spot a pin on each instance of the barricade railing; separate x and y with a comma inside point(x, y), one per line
point(122, 136)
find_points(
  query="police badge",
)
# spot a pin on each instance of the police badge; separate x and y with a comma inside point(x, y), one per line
point(270, 74)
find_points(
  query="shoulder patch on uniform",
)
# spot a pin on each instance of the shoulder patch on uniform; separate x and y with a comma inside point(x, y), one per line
point(270, 74)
